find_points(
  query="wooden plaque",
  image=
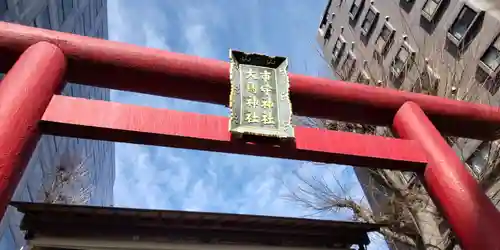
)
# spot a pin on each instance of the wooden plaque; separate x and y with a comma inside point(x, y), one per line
point(260, 100)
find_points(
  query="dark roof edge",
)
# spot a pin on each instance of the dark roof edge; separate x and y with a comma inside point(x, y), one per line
point(26, 207)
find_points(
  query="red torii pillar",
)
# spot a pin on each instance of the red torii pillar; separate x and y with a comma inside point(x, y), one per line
point(28, 107)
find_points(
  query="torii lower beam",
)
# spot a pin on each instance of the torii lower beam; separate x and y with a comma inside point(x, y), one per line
point(102, 120)
point(127, 67)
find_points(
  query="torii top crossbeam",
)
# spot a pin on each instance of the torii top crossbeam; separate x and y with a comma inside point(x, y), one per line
point(39, 60)
point(164, 73)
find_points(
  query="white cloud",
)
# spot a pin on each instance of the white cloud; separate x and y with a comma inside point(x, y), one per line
point(154, 39)
point(116, 22)
point(198, 40)
point(195, 19)
point(138, 23)
point(167, 178)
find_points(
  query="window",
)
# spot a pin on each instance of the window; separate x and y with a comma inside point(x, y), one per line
point(480, 158)
point(348, 66)
point(87, 20)
point(328, 34)
point(462, 24)
point(325, 14)
point(60, 14)
point(3, 7)
point(100, 31)
point(21, 5)
point(385, 39)
point(491, 58)
point(67, 7)
point(430, 9)
point(402, 61)
point(444, 228)
point(363, 78)
point(43, 19)
point(96, 33)
point(409, 177)
point(369, 21)
point(95, 10)
point(338, 50)
point(79, 26)
point(427, 83)
point(355, 9)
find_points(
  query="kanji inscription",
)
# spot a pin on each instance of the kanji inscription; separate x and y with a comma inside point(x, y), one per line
point(259, 102)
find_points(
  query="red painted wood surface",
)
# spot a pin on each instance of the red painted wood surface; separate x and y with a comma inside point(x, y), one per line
point(470, 213)
point(127, 67)
point(91, 119)
point(25, 93)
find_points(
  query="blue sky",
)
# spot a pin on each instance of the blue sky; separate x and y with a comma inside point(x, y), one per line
point(168, 178)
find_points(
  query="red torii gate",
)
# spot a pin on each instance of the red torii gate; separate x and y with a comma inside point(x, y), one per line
point(39, 60)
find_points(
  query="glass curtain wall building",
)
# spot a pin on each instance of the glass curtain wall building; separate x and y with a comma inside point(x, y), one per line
point(62, 170)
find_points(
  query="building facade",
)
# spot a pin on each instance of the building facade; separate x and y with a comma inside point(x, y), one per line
point(62, 170)
point(437, 47)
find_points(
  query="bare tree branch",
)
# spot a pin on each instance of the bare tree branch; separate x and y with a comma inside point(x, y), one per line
point(410, 215)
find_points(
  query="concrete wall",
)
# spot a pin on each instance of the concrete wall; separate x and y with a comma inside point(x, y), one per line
point(84, 17)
